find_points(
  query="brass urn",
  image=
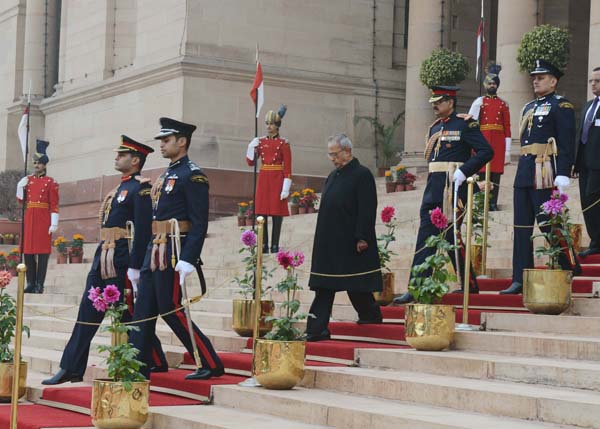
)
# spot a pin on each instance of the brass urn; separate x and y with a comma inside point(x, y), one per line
point(279, 364)
point(429, 327)
point(243, 319)
point(114, 407)
point(6, 380)
point(546, 291)
point(386, 296)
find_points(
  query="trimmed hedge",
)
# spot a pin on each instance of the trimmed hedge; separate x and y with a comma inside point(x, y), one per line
point(444, 67)
point(544, 42)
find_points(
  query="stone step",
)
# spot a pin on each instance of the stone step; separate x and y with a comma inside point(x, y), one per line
point(585, 307)
point(530, 344)
point(499, 398)
point(345, 411)
point(554, 372)
point(568, 325)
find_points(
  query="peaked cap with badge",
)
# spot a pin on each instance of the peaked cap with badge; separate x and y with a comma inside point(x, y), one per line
point(169, 127)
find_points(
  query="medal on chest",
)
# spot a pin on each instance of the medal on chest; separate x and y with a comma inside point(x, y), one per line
point(170, 185)
point(122, 196)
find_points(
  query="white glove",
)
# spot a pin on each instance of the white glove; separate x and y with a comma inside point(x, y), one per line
point(508, 143)
point(562, 183)
point(184, 269)
point(20, 185)
point(251, 147)
point(285, 190)
point(459, 177)
point(134, 276)
point(476, 108)
point(53, 223)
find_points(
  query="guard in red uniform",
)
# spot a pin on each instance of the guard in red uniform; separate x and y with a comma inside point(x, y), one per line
point(39, 193)
point(494, 119)
point(274, 178)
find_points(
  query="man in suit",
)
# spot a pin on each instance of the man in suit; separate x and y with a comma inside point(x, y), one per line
point(587, 164)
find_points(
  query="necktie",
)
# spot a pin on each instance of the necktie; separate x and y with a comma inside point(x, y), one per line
point(589, 118)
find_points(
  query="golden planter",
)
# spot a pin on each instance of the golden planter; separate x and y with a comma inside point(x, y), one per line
point(476, 258)
point(429, 327)
point(6, 380)
point(243, 319)
point(279, 364)
point(115, 408)
point(386, 296)
point(547, 291)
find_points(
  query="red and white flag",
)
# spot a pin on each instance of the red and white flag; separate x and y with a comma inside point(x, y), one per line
point(480, 46)
point(258, 91)
point(22, 131)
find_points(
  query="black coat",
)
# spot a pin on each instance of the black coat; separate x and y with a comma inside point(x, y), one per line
point(588, 156)
point(347, 214)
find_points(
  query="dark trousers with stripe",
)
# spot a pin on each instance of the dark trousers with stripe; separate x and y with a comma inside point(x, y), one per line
point(427, 229)
point(591, 215)
point(159, 293)
point(75, 357)
point(527, 202)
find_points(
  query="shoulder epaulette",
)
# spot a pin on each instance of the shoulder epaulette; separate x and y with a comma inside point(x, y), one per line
point(193, 166)
point(473, 124)
point(144, 192)
point(199, 178)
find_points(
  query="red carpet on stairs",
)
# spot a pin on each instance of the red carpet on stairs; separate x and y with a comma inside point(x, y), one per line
point(39, 416)
point(175, 379)
point(592, 259)
point(243, 361)
point(580, 285)
point(485, 300)
point(82, 397)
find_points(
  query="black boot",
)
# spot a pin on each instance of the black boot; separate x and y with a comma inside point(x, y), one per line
point(407, 298)
point(277, 221)
point(514, 289)
point(31, 273)
point(205, 374)
point(323, 336)
point(62, 376)
point(495, 177)
point(42, 268)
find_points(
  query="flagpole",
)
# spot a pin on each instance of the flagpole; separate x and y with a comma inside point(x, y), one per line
point(481, 53)
point(255, 152)
point(24, 204)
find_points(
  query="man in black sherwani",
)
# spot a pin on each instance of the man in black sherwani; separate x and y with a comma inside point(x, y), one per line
point(345, 241)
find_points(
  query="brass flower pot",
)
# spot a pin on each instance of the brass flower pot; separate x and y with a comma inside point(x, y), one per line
point(575, 231)
point(429, 327)
point(115, 408)
point(279, 364)
point(386, 296)
point(476, 257)
point(6, 380)
point(243, 317)
point(547, 291)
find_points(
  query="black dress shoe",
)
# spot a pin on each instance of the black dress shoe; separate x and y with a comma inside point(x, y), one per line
point(39, 288)
point(587, 252)
point(274, 249)
point(377, 321)
point(471, 291)
point(514, 289)
point(162, 368)
point(323, 336)
point(493, 207)
point(265, 249)
point(31, 287)
point(407, 298)
point(205, 374)
point(62, 376)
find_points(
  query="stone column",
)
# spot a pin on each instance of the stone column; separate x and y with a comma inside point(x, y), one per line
point(515, 18)
point(423, 37)
point(593, 60)
point(39, 59)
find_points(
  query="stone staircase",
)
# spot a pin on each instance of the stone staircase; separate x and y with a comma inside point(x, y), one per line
point(522, 371)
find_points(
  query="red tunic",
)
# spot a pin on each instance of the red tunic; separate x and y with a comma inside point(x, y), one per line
point(42, 199)
point(276, 164)
point(494, 123)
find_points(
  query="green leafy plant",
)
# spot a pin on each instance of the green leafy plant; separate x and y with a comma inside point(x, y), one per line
point(9, 206)
point(384, 136)
point(384, 240)
point(77, 245)
point(443, 67)
point(429, 280)
point(478, 211)
point(246, 283)
point(544, 42)
point(283, 325)
point(558, 237)
point(8, 319)
point(122, 362)
point(13, 259)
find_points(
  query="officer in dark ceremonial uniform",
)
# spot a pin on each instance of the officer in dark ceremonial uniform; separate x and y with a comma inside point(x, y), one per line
point(116, 260)
point(181, 193)
point(455, 149)
point(547, 132)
